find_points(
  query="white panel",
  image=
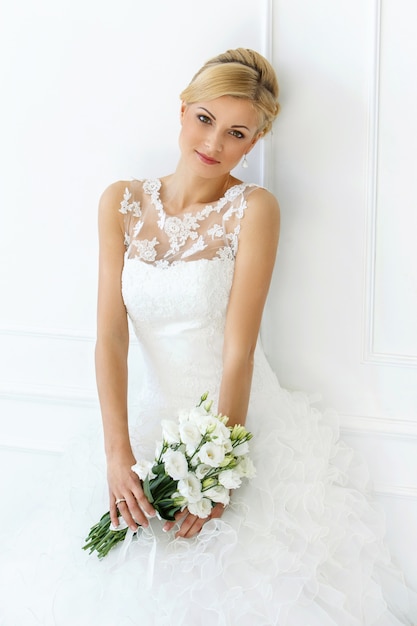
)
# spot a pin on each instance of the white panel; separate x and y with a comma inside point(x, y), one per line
point(393, 280)
point(335, 265)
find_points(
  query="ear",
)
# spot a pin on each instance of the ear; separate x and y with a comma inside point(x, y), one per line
point(182, 110)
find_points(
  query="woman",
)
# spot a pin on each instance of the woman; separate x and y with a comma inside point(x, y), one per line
point(217, 131)
point(189, 258)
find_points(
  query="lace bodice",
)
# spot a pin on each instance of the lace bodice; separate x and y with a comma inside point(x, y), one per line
point(176, 282)
point(153, 236)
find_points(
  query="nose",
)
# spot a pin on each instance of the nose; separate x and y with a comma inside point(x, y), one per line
point(214, 140)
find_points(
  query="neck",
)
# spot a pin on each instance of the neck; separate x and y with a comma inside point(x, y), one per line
point(181, 190)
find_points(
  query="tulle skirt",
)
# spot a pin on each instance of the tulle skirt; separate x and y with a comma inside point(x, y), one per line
point(301, 544)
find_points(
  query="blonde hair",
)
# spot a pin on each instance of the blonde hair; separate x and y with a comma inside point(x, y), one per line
point(240, 73)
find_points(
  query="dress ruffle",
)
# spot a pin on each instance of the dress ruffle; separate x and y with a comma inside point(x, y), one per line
point(301, 543)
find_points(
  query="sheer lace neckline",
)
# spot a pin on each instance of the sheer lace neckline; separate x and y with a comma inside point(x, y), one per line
point(153, 186)
point(155, 237)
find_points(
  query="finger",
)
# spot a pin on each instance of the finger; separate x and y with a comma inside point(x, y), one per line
point(178, 517)
point(128, 517)
point(217, 511)
point(113, 510)
point(142, 501)
point(191, 524)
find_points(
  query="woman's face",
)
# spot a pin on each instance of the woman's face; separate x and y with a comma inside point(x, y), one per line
point(217, 133)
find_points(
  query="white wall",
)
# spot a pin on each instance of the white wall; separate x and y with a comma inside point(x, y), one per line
point(341, 316)
point(91, 95)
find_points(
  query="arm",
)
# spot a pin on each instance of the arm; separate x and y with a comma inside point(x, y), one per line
point(111, 364)
point(258, 241)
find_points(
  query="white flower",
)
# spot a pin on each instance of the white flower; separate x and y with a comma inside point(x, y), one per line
point(211, 454)
point(218, 494)
point(242, 448)
point(231, 479)
point(143, 469)
point(201, 470)
point(197, 413)
point(175, 463)
point(190, 435)
point(190, 488)
point(215, 428)
point(170, 431)
point(202, 508)
point(245, 467)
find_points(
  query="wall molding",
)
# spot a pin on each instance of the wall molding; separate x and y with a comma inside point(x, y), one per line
point(37, 332)
point(370, 355)
point(48, 394)
point(21, 445)
point(364, 425)
point(382, 490)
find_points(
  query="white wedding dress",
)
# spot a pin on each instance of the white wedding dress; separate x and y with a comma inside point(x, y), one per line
point(300, 545)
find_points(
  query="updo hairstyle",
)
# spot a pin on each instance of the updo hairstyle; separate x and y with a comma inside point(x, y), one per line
point(240, 73)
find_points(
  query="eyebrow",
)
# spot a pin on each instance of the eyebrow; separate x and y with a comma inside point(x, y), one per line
point(214, 118)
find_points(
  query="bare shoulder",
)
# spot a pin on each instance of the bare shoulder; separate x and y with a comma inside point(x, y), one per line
point(112, 196)
point(262, 208)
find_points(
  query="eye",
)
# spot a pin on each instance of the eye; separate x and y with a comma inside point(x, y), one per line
point(204, 118)
point(237, 134)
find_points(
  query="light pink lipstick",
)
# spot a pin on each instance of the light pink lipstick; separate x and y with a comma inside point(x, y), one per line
point(206, 159)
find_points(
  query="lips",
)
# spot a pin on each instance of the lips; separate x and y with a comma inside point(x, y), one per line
point(206, 159)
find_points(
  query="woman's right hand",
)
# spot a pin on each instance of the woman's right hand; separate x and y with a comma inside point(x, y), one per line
point(124, 484)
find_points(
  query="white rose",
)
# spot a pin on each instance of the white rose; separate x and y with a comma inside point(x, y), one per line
point(190, 488)
point(143, 469)
point(202, 508)
point(231, 479)
point(176, 464)
point(170, 431)
point(245, 467)
point(211, 454)
point(218, 494)
point(190, 435)
point(242, 448)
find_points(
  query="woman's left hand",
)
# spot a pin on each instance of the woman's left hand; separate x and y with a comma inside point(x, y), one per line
point(191, 524)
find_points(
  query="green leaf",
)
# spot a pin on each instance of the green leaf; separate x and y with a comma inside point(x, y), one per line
point(147, 489)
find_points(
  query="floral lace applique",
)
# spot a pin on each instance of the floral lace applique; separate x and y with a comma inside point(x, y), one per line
point(225, 254)
point(216, 231)
point(146, 249)
point(233, 239)
point(131, 207)
point(179, 230)
point(196, 247)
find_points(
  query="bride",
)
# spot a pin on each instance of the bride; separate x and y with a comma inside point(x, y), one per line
point(188, 259)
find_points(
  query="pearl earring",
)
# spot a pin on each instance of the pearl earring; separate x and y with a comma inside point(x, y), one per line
point(245, 163)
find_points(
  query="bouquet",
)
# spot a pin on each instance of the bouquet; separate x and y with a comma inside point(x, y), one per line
point(199, 460)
